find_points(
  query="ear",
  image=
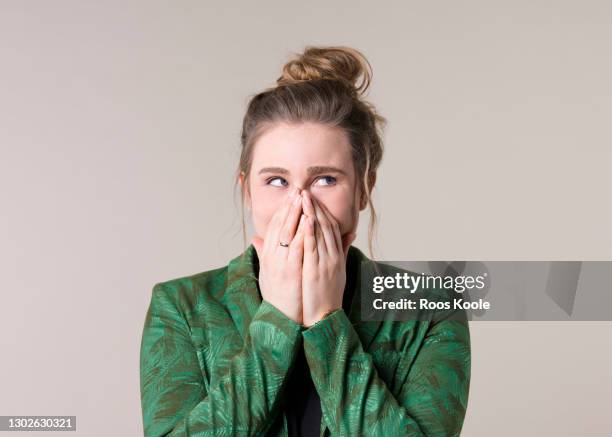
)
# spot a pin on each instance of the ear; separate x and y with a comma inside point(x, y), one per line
point(245, 189)
point(363, 200)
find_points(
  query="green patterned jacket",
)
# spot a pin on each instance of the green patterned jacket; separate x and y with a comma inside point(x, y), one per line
point(215, 357)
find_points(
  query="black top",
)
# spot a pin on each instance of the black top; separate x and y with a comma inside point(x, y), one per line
point(302, 402)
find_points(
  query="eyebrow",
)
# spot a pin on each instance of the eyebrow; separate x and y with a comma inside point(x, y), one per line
point(313, 170)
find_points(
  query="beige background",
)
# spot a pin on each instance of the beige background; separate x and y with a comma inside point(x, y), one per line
point(119, 138)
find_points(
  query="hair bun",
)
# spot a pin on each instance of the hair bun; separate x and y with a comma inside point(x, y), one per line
point(340, 63)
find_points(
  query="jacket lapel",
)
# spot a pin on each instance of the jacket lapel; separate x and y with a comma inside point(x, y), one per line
point(242, 297)
point(366, 330)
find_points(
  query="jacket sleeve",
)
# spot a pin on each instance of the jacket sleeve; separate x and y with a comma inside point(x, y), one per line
point(432, 395)
point(243, 401)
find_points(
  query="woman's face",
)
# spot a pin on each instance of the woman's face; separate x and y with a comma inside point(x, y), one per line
point(311, 156)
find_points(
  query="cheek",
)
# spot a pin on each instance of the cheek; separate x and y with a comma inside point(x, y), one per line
point(345, 219)
point(343, 210)
point(263, 209)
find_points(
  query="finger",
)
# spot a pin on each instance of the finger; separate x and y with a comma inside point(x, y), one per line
point(278, 219)
point(311, 256)
point(288, 230)
point(296, 248)
point(312, 215)
point(329, 239)
point(320, 239)
point(307, 204)
point(334, 225)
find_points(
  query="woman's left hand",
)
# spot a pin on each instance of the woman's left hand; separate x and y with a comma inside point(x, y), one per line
point(324, 268)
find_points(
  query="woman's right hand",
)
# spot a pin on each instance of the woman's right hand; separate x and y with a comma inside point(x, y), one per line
point(280, 268)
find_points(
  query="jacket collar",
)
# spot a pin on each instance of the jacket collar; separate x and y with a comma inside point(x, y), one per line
point(242, 296)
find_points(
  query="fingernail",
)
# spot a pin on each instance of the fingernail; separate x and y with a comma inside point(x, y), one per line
point(297, 199)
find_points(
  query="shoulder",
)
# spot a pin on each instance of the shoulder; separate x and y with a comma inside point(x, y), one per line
point(189, 293)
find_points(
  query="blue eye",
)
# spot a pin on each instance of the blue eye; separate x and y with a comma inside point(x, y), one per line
point(329, 177)
point(273, 179)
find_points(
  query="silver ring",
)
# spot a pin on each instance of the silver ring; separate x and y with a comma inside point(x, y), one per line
point(283, 244)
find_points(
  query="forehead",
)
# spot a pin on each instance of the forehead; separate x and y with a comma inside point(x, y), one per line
point(304, 144)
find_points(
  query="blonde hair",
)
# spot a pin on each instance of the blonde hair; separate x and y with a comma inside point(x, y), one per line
point(323, 85)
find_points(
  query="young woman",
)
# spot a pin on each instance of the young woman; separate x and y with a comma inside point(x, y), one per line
point(273, 343)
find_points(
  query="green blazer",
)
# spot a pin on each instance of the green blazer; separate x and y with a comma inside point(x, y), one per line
point(215, 357)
